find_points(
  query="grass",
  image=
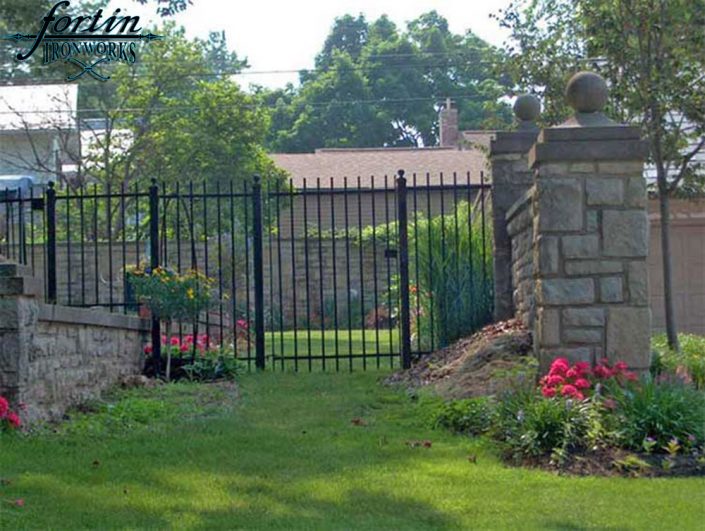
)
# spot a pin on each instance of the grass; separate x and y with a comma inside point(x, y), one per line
point(287, 456)
point(333, 352)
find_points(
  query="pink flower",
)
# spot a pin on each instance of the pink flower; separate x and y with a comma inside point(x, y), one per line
point(174, 341)
point(582, 383)
point(184, 347)
point(602, 371)
point(559, 366)
point(548, 392)
point(569, 390)
point(554, 379)
point(19, 502)
point(572, 373)
point(4, 407)
point(582, 367)
point(14, 420)
point(620, 366)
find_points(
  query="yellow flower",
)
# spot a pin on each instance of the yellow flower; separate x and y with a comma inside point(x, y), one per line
point(190, 294)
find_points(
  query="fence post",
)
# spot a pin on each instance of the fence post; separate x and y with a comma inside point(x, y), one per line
point(259, 271)
point(153, 264)
point(51, 244)
point(402, 218)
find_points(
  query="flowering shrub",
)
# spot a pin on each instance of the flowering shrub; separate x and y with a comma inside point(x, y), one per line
point(212, 361)
point(577, 380)
point(170, 295)
point(9, 419)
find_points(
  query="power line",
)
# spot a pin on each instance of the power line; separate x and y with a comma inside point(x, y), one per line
point(251, 106)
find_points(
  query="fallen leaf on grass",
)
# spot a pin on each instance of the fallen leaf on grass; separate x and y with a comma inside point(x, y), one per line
point(418, 444)
point(357, 421)
point(472, 459)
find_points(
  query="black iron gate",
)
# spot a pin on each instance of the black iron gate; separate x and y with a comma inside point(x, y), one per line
point(322, 274)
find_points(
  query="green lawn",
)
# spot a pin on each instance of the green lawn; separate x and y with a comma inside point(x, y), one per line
point(335, 349)
point(286, 456)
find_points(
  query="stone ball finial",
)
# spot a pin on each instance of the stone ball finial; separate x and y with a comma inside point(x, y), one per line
point(586, 92)
point(527, 108)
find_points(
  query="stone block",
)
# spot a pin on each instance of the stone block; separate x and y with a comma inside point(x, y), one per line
point(583, 246)
point(638, 281)
point(573, 354)
point(621, 167)
point(604, 191)
point(584, 317)
point(591, 219)
point(582, 335)
point(559, 204)
point(562, 291)
point(548, 327)
point(628, 335)
point(547, 248)
point(635, 195)
point(611, 289)
point(625, 233)
point(592, 267)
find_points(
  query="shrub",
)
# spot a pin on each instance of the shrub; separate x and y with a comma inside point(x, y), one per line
point(9, 419)
point(472, 416)
point(688, 364)
point(453, 281)
point(531, 425)
point(660, 412)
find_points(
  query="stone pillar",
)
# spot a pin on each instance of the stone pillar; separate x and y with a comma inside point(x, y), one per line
point(19, 295)
point(511, 178)
point(590, 235)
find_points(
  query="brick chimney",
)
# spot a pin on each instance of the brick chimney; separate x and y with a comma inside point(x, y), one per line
point(448, 125)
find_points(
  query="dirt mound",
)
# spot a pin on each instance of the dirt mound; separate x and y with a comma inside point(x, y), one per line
point(479, 365)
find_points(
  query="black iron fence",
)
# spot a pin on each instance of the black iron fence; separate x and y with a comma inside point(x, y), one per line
point(332, 275)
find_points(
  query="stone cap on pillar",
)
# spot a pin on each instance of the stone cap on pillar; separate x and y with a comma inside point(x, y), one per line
point(589, 134)
point(527, 109)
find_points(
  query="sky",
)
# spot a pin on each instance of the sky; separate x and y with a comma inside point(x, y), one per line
point(287, 34)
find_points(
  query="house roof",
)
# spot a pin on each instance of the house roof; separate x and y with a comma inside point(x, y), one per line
point(365, 162)
point(38, 107)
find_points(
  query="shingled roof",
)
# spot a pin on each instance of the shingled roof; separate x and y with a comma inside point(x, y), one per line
point(339, 163)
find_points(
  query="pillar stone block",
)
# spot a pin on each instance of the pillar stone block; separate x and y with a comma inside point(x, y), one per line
point(590, 195)
point(511, 179)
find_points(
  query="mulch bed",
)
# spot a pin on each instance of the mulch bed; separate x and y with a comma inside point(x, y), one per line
point(617, 462)
point(473, 366)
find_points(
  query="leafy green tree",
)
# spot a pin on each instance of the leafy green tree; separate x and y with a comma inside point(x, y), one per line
point(375, 85)
point(651, 53)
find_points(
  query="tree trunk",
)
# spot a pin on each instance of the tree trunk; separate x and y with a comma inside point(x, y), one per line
point(671, 327)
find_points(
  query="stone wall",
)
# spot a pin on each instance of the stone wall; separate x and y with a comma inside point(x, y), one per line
point(519, 223)
point(53, 357)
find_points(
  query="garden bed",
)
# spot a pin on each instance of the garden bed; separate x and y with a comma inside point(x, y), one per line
point(480, 365)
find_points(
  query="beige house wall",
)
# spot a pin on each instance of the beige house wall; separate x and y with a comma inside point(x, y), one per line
point(688, 250)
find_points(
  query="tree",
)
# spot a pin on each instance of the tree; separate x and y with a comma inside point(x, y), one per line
point(374, 85)
point(651, 53)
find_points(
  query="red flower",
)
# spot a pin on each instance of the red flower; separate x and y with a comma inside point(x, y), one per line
point(4, 407)
point(572, 373)
point(548, 392)
point(569, 390)
point(184, 347)
point(148, 349)
point(554, 379)
point(601, 371)
point(582, 383)
point(582, 367)
point(559, 366)
point(174, 341)
point(13, 419)
point(620, 366)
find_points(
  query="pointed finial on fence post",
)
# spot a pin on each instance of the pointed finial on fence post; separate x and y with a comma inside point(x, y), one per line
point(400, 173)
